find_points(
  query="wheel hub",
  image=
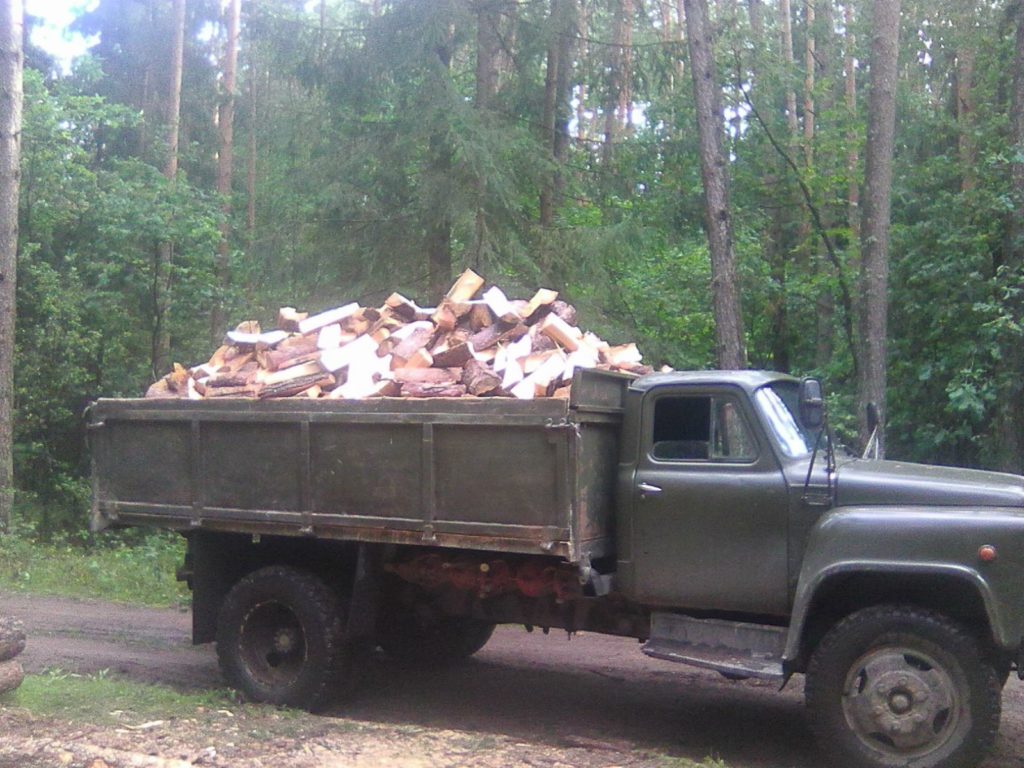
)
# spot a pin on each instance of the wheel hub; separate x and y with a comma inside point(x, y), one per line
point(900, 701)
point(285, 640)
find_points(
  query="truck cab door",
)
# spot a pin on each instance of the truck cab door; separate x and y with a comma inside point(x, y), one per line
point(710, 506)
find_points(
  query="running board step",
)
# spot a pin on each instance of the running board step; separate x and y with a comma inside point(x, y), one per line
point(731, 647)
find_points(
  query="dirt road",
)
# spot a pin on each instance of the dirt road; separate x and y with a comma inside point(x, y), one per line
point(591, 698)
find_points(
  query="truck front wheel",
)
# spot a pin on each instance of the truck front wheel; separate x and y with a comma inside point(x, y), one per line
point(902, 686)
point(419, 636)
point(280, 638)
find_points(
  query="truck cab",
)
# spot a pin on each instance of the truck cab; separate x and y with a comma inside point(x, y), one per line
point(894, 586)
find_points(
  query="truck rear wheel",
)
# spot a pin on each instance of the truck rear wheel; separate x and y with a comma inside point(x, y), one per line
point(280, 638)
point(901, 686)
point(419, 637)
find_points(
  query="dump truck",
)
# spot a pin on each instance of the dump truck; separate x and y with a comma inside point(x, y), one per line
point(708, 514)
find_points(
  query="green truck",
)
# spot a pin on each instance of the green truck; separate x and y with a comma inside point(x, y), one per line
point(705, 513)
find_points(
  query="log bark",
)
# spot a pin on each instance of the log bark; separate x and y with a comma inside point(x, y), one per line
point(729, 343)
point(11, 64)
point(417, 389)
point(479, 379)
point(874, 278)
point(12, 638)
point(11, 675)
point(225, 154)
point(163, 277)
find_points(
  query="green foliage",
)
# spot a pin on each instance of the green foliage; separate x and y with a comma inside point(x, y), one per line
point(133, 567)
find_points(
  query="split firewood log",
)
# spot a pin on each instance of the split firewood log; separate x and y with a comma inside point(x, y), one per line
point(12, 638)
point(480, 379)
point(11, 675)
point(414, 389)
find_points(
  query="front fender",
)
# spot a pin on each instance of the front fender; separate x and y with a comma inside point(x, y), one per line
point(939, 542)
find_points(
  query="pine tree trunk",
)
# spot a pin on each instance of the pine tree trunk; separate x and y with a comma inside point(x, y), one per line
point(547, 192)
point(756, 12)
point(11, 65)
point(225, 156)
point(788, 61)
point(874, 279)
point(852, 142)
point(809, 67)
point(439, 228)
point(557, 104)
point(729, 344)
point(250, 159)
point(563, 96)
point(964, 92)
point(823, 62)
point(163, 274)
point(616, 79)
point(488, 49)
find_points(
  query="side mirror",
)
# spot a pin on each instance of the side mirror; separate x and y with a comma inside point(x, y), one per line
point(812, 404)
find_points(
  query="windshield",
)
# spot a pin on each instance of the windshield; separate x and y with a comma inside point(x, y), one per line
point(779, 402)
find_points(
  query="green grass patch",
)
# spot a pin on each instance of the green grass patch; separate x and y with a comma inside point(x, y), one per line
point(137, 569)
point(665, 761)
point(103, 699)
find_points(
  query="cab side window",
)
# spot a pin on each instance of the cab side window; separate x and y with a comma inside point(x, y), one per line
point(701, 428)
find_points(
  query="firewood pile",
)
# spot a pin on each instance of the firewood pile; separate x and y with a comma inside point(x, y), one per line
point(12, 643)
point(475, 343)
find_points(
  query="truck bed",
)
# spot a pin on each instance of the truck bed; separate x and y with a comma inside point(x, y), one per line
point(525, 476)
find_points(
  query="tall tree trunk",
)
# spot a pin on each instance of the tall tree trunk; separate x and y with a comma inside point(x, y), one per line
point(965, 106)
point(163, 274)
point(11, 65)
point(548, 117)
point(488, 49)
point(788, 61)
point(729, 344)
point(624, 109)
point(439, 228)
point(563, 105)
point(557, 104)
point(874, 280)
point(617, 78)
point(823, 63)
point(809, 66)
point(755, 9)
point(1010, 424)
point(852, 143)
point(225, 153)
point(250, 160)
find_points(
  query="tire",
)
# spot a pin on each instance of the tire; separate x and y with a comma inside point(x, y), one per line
point(898, 686)
point(280, 639)
point(422, 637)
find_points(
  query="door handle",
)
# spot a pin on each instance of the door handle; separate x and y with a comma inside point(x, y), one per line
point(646, 489)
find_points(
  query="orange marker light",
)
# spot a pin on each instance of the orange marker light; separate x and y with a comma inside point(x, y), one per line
point(987, 553)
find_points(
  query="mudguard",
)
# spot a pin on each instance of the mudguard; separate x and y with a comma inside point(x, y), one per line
point(943, 542)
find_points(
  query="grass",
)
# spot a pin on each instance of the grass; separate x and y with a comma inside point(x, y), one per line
point(137, 569)
point(106, 700)
point(682, 762)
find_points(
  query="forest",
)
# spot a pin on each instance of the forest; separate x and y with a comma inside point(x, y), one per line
point(208, 162)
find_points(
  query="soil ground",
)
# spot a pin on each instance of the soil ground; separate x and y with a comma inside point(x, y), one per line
point(525, 699)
